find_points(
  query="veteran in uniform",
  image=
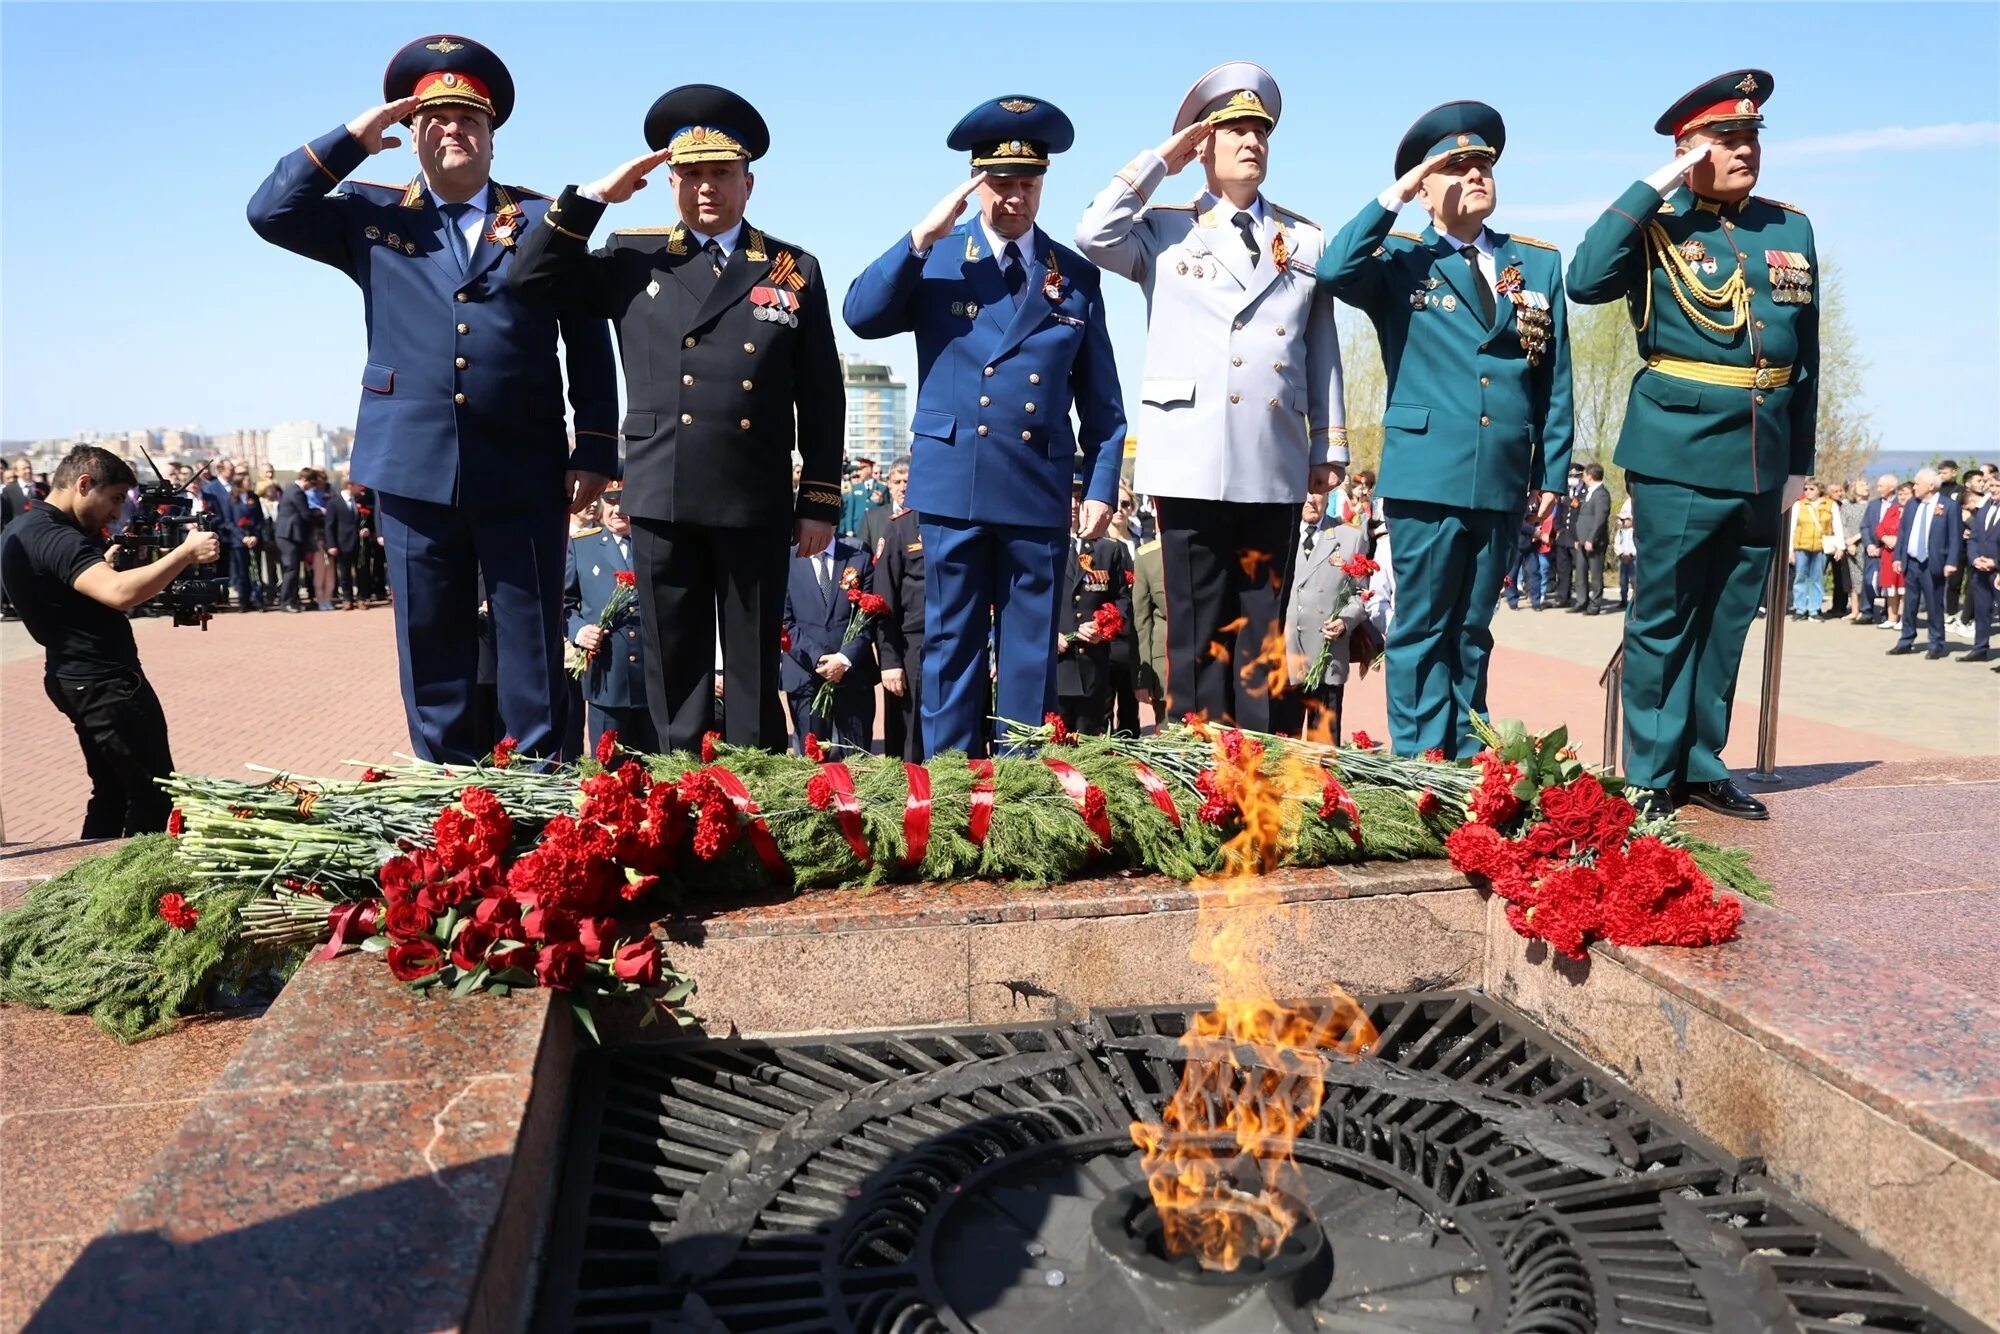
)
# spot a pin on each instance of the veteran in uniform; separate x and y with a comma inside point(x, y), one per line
point(1240, 411)
point(460, 430)
point(1719, 428)
point(1010, 332)
point(1474, 335)
point(729, 358)
point(614, 674)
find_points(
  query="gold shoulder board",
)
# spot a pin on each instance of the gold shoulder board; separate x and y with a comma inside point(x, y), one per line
point(1407, 236)
point(1779, 203)
point(585, 532)
point(1534, 241)
point(1282, 211)
point(532, 194)
point(644, 231)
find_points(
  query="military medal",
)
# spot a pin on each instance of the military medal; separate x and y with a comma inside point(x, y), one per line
point(1280, 253)
point(1181, 268)
point(1450, 303)
point(972, 310)
point(409, 247)
point(1052, 282)
point(395, 240)
point(372, 232)
point(505, 223)
point(1693, 251)
point(1418, 299)
point(1510, 281)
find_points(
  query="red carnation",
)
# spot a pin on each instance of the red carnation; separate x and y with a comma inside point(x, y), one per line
point(636, 886)
point(1058, 731)
point(708, 740)
point(1109, 620)
point(243, 522)
point(560, 966)
point(1434, 755)
point(1358, 566)
point(469, 950)
point(1479, 849)
point(873, 605)
point(176, 913)
point(712, 835)
point(176, 822)
point(1362, 741)
point(503, 752)
point(638, 961)
point(1427, 803)
point(626, 579)
point(814, 751)
point(1568, 909)
point(819, 792)
point(1130, 578)
point(414, 960)
point(1094, 806)
point(1493, 802)
point(784, 640)
point(607, 746)
point(372, 775)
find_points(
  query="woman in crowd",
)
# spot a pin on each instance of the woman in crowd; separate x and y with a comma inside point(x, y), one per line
point(1815, 527)
point(1626, 546)
point(1852, 501)
point(1888, 581)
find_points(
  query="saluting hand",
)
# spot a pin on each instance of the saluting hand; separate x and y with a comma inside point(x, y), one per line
point(1411, 181)
point(937, 223)
point(1185, 147)
point(628, 180)
point(367, 128)
point(812, 536)
point(1667, 177)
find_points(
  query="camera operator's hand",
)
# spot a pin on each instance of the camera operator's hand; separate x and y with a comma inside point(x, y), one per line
point(201, 546)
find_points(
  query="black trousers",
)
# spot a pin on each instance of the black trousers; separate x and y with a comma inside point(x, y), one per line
point(1227, 568)
point(290, 557)
point(1124, 688)
point(903, 717)
point(370, 579)
point(267, 568)
point(1593, 576)
point(634, 727)
point(694, 579)
point(123, 732)
point(1562, 565)
point(239, 576)
point(1086, 714)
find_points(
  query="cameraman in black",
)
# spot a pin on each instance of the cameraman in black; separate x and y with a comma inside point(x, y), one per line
point(57, 572)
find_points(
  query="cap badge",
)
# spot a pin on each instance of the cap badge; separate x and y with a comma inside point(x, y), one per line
point(449, 80)
point(444, 46)
point(1017, 105)
point(1252, 98)
point(1749, 84)
point(1464, 140)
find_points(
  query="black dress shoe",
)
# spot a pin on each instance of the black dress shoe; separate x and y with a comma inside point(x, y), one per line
point(1901, 649)
point(1574, 607)
point(1653, 803)
point(1725, 798)
point(1934, 654)
point(1591, 610)
point(1978, 655)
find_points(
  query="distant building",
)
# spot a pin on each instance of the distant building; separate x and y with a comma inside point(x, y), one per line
point(878, 411)
point(290, 446)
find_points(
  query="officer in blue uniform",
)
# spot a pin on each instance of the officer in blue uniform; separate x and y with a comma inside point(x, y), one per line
point(614, 677)
point(1473, 328)
point(460, 430)
point(1010, 331)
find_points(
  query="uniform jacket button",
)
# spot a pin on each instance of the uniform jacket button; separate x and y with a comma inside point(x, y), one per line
point(1236, 398)
point(687, 379)
point(461, 363)
point(749, 347)
point(1034, 378)
point(1281, 331)
point(687, 419)
point(631, 634)
point(1762, 362)
point(989, 370)
point(631, 657)
point(458, 398)
point(463, 297)
point(1485, 421)
point(465, 328)
point(1027, 435)
point(1236, 361)
point(1483, 382)
point(985, 402)
point(1760, 324)
point(687, 342)
point(1031, 407)
point(1277, 365)
point(1759, 397)
point(1237, 325)
point(1274, 402)
point(982, 430)
point(748, 385)
point(744, 424)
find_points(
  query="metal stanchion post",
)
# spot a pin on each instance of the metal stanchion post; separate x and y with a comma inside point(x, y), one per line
point(1613, 681)
point(1775, 604)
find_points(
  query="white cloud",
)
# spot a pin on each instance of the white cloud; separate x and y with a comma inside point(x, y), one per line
point(1893, 138)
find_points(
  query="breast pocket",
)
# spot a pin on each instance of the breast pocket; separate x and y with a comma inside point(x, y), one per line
point(639, 425)
point(1167, 393)
point(933, 424)
point(1406, 417)
point(378, 379)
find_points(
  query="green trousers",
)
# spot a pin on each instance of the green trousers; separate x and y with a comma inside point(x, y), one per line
point(1702, 561)
point(1449, 564)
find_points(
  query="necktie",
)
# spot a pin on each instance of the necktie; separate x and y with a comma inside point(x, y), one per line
point(715, 256)
point(1248, 226)
point(1311, 533)
point(1017, 277)
point(823, 568)
point(454, 234)
point(1920, 532)
point(1479, 283)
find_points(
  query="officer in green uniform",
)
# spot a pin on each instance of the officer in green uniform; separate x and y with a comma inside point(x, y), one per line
point(1718, 438)
point(1474, 334)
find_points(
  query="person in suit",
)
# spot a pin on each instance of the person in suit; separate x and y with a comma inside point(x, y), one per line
point(1474, 332)
point(370, 583)
point(297, 532)
point(1094, 575)
point(1312, 619)
point(270, 558)
point(343, 541)
point(1929, 551)
point(1982, 559)
point(1871, 519)
point(899, 579)
point(1562, 580)
point(614, 674)
point(1593, 535)
point(1719, 428)
point(253, 539)
point(460, 430)
point(727, 340)
point(876, 521)
point(1011, 331)
point(1149, 627)
point(818, 613)
point(1240, 411)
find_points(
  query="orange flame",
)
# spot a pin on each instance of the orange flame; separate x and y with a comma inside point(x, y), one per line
point(1255, 1069)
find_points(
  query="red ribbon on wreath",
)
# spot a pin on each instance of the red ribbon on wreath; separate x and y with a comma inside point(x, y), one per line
point(1077, 788)
point(846, 809)
point(1157, 791)
point(981, 818)
point(351, 923)
point(917, 816)
point(761, 841)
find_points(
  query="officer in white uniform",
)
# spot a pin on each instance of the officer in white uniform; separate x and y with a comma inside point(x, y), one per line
point(1241, 410)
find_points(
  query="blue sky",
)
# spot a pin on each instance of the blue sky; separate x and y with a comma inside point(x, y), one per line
point(132, 291)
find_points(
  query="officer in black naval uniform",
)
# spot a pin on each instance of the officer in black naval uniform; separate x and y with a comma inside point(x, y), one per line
point(729, 360)
point(1097, 573)
point(899, 581)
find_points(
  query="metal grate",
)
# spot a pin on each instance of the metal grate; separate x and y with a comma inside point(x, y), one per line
point(1469, 1174)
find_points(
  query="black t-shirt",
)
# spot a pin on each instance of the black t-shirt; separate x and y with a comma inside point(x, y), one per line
point(40, 558)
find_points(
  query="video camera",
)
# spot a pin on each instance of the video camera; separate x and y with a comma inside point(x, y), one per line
point(165, 514)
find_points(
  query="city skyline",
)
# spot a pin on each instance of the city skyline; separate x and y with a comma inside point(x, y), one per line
point(197, 321)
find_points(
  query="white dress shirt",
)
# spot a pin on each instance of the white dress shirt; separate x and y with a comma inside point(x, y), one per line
point(473, 221)
point(1026, 241)
point(726, 240)
point(824, 572)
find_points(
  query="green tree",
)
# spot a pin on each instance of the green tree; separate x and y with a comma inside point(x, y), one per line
point(1603, 354)
point(1366, 389)
point(1846, 438)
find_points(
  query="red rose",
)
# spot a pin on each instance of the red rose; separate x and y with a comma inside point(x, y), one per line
point(1573, 808)
point(560, 966)
point(512, 955)
point(708, 740)
point(637, 886)
point(638, 961)
point(626, 579)
point(1362, 741)
point(551, 926)
point(176, 822)
point(596, 935)
point(176, 913)
point(414, 960)
point(475, 938)
point(607, 746)
point(407, 920)
point(502, 914)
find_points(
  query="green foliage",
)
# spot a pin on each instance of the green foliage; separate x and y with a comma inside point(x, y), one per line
point(91, 941)
point(1729, 868)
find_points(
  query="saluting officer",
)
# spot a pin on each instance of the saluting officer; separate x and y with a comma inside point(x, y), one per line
point(899, 580)
point(1719, 429)
point(1010, 330)
point(1240, 413)
point(1474, 335)
point(614, 675)
point(729, 360)
point(460, 430)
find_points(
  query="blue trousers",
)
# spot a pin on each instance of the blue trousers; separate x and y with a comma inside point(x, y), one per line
point(1808, 582)
point(1449, 565)
point(436, 556)
point(981, 579)
point(1923, 581)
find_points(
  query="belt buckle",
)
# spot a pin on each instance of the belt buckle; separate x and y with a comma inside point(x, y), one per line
point(1764, 379)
